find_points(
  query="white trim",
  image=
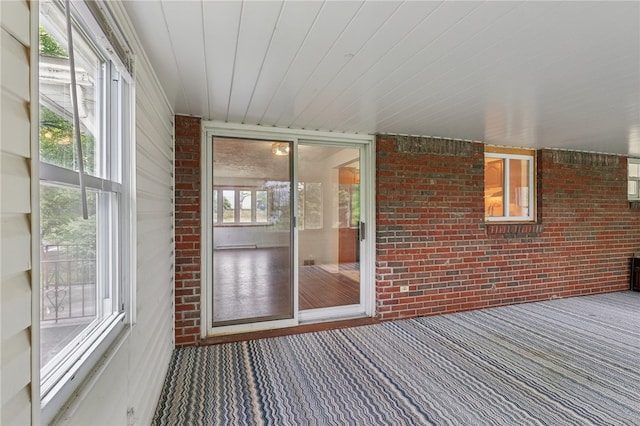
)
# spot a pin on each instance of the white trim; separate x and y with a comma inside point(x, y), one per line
point(129, 173)
point(294, 231)
point(206, 234)
point(93, 350)
point(276, 133)
point(367, 282)
point(332, 314)
point(74, 402)
point(368, 245)
point(253, 326)
point(636, 196)
point(57, 174)
point(34, 114)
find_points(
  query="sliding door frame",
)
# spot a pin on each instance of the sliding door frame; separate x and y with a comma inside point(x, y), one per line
point(211, 129)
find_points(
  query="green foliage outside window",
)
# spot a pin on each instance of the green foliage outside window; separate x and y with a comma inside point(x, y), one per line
point(49, 46)
point(60, 221)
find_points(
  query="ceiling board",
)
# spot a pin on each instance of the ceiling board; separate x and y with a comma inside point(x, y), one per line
point(185, 31)
point(295, 25)
point(220, 32)
point(535, 74)
point(257, 27)
point(333, 18)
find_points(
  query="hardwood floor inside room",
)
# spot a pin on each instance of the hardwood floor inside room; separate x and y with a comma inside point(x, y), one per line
point(251, 283)
point(322, 286)
point(256, 283)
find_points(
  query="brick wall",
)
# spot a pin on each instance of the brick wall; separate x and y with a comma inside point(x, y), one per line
point(431, 234)
point(187, 217)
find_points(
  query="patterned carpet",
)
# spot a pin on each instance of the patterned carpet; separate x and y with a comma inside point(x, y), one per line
point(562, 362)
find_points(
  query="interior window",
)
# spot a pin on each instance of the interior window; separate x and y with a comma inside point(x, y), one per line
point(241, 206)
point(509, 185)
point(633, 187)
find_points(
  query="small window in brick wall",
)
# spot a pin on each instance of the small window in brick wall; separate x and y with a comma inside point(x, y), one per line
point(633, 186)
point(509, 184)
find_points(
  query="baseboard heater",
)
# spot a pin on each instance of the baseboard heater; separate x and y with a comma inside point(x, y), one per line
point(236, 246)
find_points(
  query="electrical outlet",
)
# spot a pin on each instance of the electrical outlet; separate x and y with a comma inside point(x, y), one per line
point(404, 288)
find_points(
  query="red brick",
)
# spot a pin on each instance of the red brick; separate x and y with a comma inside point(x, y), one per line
point(588, 232)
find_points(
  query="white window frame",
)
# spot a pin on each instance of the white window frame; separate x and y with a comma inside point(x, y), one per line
point(116, 239)
point(635, 179)
point(254, 207)
point(506, 156)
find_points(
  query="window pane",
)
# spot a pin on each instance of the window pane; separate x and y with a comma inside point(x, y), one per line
point(215, 206)
point(261, 206)
point(57, 144)
point(634, 169)
point(68, 270)
point(632, 188)
point(280, 205)
point(313, 205)
point(518, 188)
point(245, 206)
point(494, 187)
point(229, 206)
point(355, 205)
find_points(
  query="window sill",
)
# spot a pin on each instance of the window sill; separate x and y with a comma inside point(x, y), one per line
point(527, 229)
point(96, 351)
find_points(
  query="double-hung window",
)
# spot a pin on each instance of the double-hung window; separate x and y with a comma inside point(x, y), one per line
point(509, 184)
point(85, 251)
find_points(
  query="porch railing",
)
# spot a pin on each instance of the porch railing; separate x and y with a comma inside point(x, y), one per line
point(68, 282)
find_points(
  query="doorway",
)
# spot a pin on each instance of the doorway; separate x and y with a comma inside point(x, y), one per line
point(286, 239)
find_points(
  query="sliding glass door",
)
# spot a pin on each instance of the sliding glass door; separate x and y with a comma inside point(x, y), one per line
point(252, 237)
point(285, 235)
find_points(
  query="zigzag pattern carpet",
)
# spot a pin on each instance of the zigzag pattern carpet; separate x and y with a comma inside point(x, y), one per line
point(562, 362)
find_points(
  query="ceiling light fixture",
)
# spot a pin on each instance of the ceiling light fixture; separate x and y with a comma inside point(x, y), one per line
point(280, 149)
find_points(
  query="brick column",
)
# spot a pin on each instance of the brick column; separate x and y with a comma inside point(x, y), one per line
point(187, 217)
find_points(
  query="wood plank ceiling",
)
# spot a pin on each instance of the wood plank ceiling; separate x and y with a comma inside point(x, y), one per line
point(534, 74)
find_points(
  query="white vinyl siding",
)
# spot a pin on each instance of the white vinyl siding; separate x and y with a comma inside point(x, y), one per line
point(131, 378)
point(15, 225)
point(156, 254)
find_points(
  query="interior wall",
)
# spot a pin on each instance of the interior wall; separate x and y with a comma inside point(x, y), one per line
point(321, 245)
point(249, 236)
point(432, 237)
point(16, 209)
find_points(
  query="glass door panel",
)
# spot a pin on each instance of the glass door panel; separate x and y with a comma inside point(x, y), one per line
point(252, 257)
point(328, 226)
